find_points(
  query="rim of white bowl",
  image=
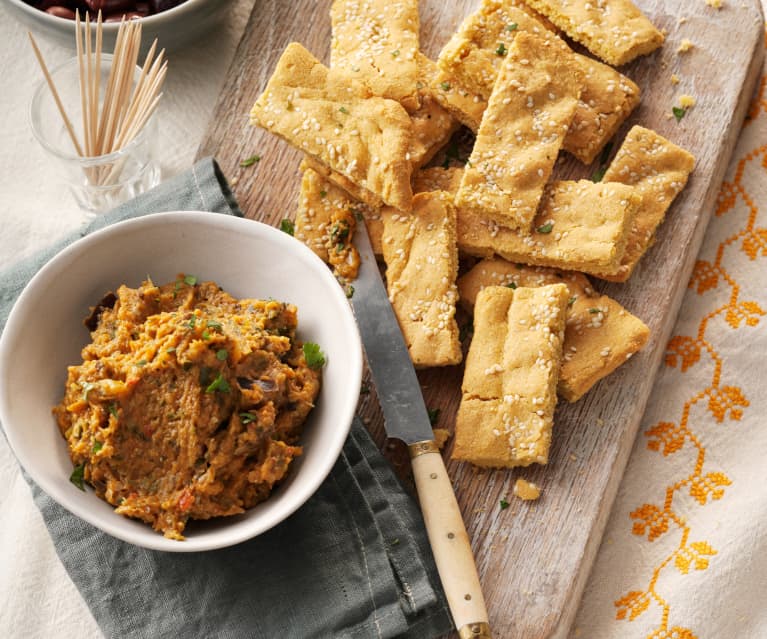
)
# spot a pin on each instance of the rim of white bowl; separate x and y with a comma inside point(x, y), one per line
point(301, 491)
point(179, 10)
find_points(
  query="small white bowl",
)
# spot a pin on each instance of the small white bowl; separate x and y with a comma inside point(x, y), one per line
point(173, 28)
point(45, 334)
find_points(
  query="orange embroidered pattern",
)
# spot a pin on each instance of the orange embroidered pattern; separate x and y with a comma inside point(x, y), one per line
point(723, 402)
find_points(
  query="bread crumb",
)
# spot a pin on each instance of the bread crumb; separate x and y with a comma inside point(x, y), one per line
point(674, 78)
point(716, 4)
point(686, 101)
point(681, 20)
point(685, 46)
point(526, 490)
point(440, 436)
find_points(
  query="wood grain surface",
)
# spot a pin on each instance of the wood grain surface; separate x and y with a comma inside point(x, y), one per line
point(534, 557)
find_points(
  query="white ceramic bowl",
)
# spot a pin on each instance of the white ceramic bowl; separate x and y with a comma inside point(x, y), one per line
point(45, 333)
point(173, 28)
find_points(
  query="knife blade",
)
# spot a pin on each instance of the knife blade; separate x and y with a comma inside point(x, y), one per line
point(406, 418)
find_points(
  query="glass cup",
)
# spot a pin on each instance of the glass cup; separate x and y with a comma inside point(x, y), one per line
point(100, 182)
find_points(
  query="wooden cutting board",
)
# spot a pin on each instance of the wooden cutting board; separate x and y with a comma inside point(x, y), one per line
point(534, 557)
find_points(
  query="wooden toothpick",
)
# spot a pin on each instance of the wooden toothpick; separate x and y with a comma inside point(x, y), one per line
point(55, 93)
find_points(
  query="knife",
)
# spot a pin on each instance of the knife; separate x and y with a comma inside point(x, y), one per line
point(406, 418)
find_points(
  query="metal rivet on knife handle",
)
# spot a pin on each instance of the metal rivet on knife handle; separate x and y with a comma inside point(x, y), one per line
point(421, 448)
point(478, 630)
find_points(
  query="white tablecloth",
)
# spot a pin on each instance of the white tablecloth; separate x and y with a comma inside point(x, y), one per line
point(685, 553)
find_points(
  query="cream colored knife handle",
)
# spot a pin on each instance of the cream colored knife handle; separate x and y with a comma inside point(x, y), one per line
point(449, 541)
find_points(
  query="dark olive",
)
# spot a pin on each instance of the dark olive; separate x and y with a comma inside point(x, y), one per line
point(61, 12)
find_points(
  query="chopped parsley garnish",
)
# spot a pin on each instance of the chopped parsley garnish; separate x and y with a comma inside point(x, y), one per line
point(605, 155)
point(190, 280)
point(445, 86)
point(452, 154)
point(192, 322)
point(323, 194)
point(287, 226)
point(78, 475)
point(250, 161)
point(97, 446)
point(339, 233)
point(678, 112)
point(395, 53)
point(141, 362)
point(504, 504)
point(594, 311)
point(511, 285)
point(222, 354)
point(501, 50)
point(599, 174)
point(314, 357)
point(545, 228)
point(218, 384)
point(600, 171)
point(205, 334)
point(571, 301)
point(434, 415)
point(344, 110)
point(350, 291)
point(112, 409)
point(247, 418)
point(512, 26)
point(213, 324)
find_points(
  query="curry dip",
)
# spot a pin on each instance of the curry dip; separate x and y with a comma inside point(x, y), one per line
point(189, 403)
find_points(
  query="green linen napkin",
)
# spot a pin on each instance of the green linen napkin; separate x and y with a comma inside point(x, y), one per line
point(353, 562)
